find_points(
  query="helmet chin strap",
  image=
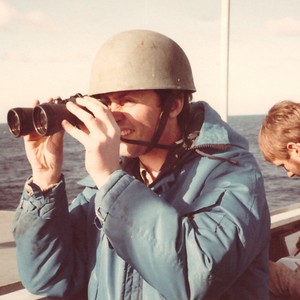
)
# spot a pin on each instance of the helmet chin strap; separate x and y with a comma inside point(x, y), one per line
point(160, 128)
point(147, 144)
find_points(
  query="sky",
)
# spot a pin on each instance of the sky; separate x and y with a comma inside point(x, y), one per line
point(47, 47)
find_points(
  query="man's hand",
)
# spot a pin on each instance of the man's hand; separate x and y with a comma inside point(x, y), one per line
point(45, 155)
point(100, 136)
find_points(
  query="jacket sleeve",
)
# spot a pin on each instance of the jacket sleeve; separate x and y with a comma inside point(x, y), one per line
point(186, 256)
point(48, 260)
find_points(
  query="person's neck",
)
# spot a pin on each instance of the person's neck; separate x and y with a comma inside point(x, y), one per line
point(153, 161)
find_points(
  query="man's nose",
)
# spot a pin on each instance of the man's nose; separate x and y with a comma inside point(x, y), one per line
point(114, 107)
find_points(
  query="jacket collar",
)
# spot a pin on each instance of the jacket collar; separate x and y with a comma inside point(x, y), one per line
point(213, 131)
point(87, 181)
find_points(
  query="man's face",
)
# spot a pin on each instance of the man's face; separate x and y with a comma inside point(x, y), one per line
point(137, 114)
point(292, 164)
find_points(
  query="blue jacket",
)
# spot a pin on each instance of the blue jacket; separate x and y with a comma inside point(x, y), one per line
point(200, 231)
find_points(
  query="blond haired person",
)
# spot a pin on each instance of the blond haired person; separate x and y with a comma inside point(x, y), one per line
point(279, 141)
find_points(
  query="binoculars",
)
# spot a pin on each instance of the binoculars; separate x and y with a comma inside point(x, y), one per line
point(44, 119)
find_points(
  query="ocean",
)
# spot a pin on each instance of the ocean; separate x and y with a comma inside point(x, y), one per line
point(15, 169)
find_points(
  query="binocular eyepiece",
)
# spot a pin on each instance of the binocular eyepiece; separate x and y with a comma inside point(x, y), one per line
point(44, 119)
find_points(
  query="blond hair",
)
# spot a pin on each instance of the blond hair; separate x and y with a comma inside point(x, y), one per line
point(280, 126)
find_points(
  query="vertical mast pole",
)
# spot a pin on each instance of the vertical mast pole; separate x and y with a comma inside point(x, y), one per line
point(225, 30)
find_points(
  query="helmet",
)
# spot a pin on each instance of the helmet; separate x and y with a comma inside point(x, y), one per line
point(140, 60)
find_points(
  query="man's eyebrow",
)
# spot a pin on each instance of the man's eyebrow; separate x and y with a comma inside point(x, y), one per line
point(118, 96)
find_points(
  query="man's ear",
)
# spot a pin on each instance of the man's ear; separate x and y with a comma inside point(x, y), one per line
point(177, 106)
point(293, 147)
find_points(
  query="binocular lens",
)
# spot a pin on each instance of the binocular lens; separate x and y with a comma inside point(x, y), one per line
point(40, 120)
point(19, 121)
point(14, 122)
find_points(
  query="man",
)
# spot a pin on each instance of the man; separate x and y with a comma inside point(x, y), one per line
point(279, 136)
point(182, 216)
point(279, 141)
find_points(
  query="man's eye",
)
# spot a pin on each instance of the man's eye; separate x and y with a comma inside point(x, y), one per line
point(284, 167)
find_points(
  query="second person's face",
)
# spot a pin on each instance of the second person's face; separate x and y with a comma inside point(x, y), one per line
point(291, 166)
